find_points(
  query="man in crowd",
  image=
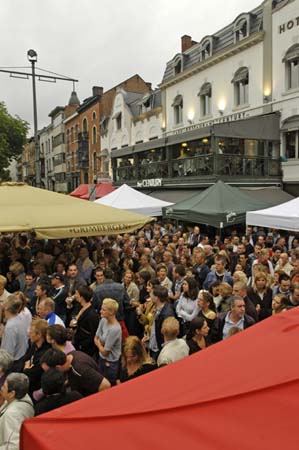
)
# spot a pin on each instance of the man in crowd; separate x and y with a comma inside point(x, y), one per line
point(173, 349)
point(82, 371)
point(45, 310)
point(59, 295)
point(219, 273)
point(235, 318)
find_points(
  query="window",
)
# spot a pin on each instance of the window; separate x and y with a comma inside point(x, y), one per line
point(291, 61)
point(118, 121)
point(72, 134)
point(178, 109)
point(94, 135)
point(95, 162)
point(178, 67)
point(291, 144)
point(241, 28)
point(205, 95)
point(241, 31)
point(290, 127)
point(94, 116)
point(84, 126)
point(241, 85)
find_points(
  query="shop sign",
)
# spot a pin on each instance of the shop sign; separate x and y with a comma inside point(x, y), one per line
point(156, 182)
point(288, 25)
point(229, 118)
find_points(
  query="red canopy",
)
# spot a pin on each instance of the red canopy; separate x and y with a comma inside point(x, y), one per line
point(102, 189)
point(241, 393)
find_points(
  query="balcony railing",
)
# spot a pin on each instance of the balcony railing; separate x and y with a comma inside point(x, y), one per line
point(222, 166)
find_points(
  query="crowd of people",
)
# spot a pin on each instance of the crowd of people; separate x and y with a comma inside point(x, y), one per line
point(83, 315)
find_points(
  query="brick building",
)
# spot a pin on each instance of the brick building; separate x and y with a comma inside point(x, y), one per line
point(84, 125)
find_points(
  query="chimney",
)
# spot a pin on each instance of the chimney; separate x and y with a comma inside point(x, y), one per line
point(186, 42)
point(97, 90)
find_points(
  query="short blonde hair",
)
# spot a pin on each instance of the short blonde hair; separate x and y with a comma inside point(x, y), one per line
point(111, 305)
point(242, 276)
point(170, 328)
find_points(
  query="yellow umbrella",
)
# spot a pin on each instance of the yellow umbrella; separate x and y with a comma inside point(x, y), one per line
point(54, 216)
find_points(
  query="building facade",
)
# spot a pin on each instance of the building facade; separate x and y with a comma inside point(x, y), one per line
point(58, 166)
point(28, 162)
point(47, 157)
point(285, 97)
point(219, 118)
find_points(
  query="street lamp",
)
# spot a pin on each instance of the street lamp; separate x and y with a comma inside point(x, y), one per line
point(32, 57)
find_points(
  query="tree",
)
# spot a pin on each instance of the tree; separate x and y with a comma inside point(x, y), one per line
point(13, 131)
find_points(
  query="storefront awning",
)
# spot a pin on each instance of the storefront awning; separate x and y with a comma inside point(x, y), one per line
point(264, 128)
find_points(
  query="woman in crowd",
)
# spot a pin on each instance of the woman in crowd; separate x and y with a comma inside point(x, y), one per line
point(186, 307)
point(135, 361)
point(207, 307)
point(239, 275)
point(143, 277)
point(146, 313)
point(132, 323)
point(108, 340)
point(225, 291)
point(261, 295)
point(57, 336)
point(86, 322)
point(279, 303)
point(197, 337)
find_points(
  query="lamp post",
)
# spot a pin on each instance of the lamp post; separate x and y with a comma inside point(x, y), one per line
point(32, 57)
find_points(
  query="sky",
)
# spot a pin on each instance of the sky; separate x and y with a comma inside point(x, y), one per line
point(98, 42)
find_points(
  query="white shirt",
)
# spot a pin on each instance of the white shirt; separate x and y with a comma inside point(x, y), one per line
point(173, 351)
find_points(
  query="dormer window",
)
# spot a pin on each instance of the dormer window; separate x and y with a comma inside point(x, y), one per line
point(241, 28)
point(178, 65)
point(206, 48)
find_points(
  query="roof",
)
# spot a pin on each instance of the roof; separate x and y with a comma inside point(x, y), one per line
point(222, 39)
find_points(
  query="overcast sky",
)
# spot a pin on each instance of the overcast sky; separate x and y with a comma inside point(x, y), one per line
point(99, 42)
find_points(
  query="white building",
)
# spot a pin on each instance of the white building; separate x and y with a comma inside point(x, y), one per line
point(135, 124)
point(225, 108)
point(285, 32)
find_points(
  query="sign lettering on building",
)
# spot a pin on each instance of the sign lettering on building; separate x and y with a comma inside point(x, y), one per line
point(230, 118)
point(288, 25)
point(156, 182)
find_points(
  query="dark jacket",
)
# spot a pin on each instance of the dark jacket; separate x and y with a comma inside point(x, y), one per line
point(217, 330)
point(200, 272)
point(161, 315)
point(59, 296)
point(116, 291)
point(266, 303)
point(87, 326)
point(34, 374)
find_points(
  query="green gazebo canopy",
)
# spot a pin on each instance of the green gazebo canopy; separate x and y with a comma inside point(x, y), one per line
point(221, 205)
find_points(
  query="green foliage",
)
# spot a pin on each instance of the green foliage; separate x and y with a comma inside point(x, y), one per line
point(13, 132)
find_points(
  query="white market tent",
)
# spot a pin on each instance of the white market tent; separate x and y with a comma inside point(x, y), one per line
point(283, 217)
point(131, 200)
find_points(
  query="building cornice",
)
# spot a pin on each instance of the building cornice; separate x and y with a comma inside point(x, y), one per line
point(250, 41)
